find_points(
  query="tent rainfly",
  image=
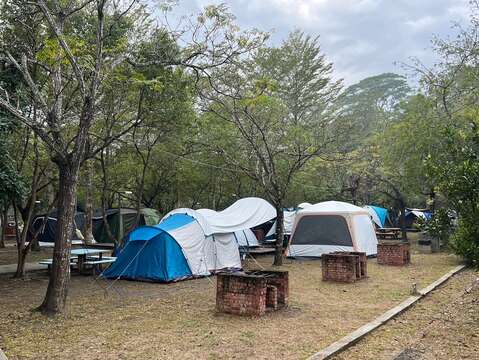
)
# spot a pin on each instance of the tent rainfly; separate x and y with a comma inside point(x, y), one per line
point(332, 226)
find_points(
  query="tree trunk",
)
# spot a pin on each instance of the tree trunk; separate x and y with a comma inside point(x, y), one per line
point(402, 221)
point(55, 298)
point(278, 255)
point(4, 221)
point(21, 260)
point(89, 204)
point(21, 245)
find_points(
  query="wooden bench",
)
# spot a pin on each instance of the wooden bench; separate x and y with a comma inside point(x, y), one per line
point(97, 263)
point(97, 257)
point(49, 262)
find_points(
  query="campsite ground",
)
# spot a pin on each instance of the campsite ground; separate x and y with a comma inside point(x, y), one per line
point(8, 255)
point(444, 325)
point(138, 320)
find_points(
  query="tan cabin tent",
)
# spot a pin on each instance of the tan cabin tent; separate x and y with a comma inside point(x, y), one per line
point(331, 226)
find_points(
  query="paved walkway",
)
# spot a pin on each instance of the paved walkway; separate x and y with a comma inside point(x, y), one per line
point(11, 268)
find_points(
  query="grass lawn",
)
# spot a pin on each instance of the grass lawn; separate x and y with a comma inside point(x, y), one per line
point(135, 320)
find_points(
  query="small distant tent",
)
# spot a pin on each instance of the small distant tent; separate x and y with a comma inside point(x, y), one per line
point(332, 226)
point(378, 214)
point(48, 227)
point(412, 216)
point(147, 217)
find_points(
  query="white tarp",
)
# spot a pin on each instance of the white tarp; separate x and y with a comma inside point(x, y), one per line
point(243, 214)
point(288, 221)
point(222, 252)
point(206, 253)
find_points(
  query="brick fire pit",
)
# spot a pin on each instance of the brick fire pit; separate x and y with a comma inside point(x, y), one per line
point(251, 292)
point(344, 266)
point(394, 253)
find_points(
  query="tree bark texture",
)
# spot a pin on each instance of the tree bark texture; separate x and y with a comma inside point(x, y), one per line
point(89, 203)
point(3, 230)
point(278, 255)
point(57, 291)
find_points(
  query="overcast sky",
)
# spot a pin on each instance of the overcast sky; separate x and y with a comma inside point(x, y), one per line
point(361, 37)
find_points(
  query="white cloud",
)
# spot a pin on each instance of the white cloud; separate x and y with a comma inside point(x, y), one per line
point(361, 37)
point(422, 23)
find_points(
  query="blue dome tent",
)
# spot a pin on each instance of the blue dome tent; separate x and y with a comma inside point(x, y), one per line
point(152, 253)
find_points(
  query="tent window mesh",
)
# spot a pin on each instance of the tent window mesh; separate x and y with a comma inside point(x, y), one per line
point(322, 230)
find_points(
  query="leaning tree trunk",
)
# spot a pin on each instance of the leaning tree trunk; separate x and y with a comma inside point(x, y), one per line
point(89, 204)
point(55, 298)
point(278, 255)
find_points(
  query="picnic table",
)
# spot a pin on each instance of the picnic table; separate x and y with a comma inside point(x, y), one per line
point(94, 257)
point(85, 256)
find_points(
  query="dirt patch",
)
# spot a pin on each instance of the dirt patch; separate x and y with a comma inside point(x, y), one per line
point(444, 325)
point(137, 320)
point(8, 255)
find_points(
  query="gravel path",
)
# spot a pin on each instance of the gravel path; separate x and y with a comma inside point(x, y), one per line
point(444, 325)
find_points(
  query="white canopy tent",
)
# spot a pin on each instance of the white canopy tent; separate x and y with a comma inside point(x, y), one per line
point(332, 226)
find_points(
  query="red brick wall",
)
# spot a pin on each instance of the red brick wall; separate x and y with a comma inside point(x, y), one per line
point(344, 266)
point(251, 293)
point(279, 279)
point(363, 262)
point(397, 254)
point(272, 297)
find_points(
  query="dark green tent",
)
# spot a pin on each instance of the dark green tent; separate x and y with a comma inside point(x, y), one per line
point(147, 217)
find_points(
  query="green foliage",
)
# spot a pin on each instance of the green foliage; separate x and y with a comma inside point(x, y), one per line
point(464, 241)
point(373, 103)
point(12, 186)
point(275, 113)
point(457, 173)
point(439, 226)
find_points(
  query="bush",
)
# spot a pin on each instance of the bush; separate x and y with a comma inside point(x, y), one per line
point(439, 226)
point(465, 241)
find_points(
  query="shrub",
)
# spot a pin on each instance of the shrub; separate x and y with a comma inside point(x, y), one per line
point(465, 241)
